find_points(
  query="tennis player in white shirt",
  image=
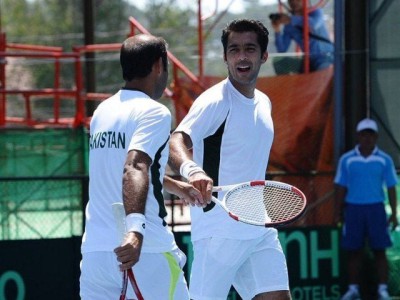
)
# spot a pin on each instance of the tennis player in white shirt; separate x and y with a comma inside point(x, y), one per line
point(226, 139)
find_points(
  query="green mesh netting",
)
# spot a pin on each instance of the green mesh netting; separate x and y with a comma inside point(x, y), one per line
point(42, 182)
point(46, 152)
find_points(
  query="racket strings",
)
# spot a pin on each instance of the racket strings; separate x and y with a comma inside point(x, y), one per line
point(264, 203)
point(247, 203)
point(282, 204)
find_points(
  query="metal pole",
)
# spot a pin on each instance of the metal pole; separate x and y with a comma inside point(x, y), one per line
point(90, 75)
point(200, 41)
point(306, 40)
point(338, 81)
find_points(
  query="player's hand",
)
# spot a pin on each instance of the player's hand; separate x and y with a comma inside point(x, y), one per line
point(204, 184)
point(393, 220)
point(285, 19)
point(129, 252)
point(338, 219)
point(276, 26)
point(189, 194)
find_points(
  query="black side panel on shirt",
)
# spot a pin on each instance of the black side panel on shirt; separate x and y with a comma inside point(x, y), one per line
point(157, 184)
point(212, 158)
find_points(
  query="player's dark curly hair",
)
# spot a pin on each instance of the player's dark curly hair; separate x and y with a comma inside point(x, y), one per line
point(137, 58)
point(246, 25)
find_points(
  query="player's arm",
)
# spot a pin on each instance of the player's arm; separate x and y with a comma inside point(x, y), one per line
point(135, 186)
point(183, 190)
point(180, 160)
point(340, 193)
point(179, 150)
point(316, 20)
point(393, 205)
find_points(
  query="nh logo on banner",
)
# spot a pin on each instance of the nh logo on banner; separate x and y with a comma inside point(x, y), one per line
point(313, 257)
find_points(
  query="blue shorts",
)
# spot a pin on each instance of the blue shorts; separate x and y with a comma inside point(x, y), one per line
point(365, 223)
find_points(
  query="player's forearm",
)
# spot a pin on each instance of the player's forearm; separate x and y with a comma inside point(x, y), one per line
point(135, 188)
point(340, 193)
point(282, 42)
point(392, 200)
point(180, 144)
point(170, 185)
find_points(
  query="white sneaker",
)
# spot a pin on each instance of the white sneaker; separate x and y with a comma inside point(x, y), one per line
point(383, 295)
point(351, 295)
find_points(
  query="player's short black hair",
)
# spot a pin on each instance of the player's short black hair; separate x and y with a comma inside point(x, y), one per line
point(138, 55)
point(246, 25)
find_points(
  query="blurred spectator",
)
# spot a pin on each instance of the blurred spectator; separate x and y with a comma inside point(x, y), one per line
point(290, 27)
point(361, 175)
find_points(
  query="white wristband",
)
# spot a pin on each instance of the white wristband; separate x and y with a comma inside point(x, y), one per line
point(136, 222)
point(188, 168)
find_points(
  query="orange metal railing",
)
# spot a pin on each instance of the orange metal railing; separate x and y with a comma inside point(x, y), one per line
point(23, 51)
point(77, 93)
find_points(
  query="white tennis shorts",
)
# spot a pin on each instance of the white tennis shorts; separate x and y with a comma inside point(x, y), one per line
point(251, 266)
point(158, 275)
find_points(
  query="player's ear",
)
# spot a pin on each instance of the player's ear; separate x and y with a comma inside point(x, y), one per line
point(264, 57)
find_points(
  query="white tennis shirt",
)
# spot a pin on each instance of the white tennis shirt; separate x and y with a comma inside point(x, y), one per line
point(128, 120)
point(232, 137)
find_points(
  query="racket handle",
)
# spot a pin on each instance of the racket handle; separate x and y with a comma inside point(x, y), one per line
point(119, 218)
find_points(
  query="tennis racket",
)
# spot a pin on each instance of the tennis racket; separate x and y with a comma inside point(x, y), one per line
point(119, 218)
point(262, 203)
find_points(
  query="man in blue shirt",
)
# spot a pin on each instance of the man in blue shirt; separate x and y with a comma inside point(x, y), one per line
point(321, 48)
point(359, 181)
